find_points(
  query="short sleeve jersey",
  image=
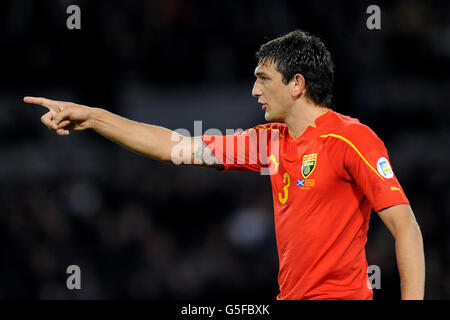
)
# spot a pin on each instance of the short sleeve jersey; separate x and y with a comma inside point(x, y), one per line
point(324, 185)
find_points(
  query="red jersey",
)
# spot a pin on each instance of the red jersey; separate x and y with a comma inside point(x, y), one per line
point(324, 185)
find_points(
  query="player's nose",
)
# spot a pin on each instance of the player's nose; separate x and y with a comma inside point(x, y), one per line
point(256, 91)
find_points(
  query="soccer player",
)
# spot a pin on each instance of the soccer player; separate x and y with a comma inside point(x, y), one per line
point(327, 172)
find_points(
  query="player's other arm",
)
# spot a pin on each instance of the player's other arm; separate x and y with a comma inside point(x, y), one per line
point(366, 159)
point(400, 220)
point(149, 140)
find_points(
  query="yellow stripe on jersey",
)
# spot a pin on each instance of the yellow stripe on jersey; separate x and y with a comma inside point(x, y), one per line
point(356, 149)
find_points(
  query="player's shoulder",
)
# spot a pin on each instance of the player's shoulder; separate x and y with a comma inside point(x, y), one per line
point(351, 126)
point(353, 130)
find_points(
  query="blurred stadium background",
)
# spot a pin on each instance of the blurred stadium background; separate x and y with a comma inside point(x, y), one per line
point(140, 229)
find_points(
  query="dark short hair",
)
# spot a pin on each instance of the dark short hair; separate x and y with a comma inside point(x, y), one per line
point(301, 52)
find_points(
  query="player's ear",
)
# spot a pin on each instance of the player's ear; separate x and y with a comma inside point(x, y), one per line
point(298, 85)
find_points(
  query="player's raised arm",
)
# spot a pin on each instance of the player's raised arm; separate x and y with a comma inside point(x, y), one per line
point(152, 141)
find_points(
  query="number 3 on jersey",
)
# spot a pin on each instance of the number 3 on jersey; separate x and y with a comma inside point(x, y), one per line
point(287, 181)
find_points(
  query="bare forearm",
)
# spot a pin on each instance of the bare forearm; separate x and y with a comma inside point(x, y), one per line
point(149, 140)
point(411, 263)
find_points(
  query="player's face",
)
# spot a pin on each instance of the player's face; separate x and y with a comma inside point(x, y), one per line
point(271, 92)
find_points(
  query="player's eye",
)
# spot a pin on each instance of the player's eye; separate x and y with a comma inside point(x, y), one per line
point(262, 78)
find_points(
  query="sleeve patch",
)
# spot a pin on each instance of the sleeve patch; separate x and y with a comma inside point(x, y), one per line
point(384, 168)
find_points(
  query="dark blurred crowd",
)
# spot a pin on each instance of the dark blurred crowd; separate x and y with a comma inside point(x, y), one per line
point(140, 229)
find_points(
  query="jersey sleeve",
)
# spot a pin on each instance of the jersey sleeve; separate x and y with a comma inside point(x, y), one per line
point(249, 150)
point(366, 162)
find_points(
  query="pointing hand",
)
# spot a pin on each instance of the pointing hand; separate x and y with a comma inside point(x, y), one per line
point(63, 116)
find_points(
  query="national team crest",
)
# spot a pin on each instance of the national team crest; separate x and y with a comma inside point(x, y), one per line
point(308, 165)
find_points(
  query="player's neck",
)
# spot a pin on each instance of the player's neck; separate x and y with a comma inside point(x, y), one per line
point(303, 115)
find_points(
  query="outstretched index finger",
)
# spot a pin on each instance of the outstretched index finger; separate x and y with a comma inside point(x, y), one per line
point(49, 104)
